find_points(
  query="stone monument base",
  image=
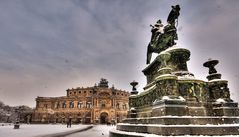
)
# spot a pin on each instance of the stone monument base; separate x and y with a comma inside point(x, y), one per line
point(174, 102)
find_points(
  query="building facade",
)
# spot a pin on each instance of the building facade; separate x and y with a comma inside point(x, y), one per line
point(97, 104)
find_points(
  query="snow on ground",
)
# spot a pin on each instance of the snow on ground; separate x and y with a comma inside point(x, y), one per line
point(96, 131)
point(37, 130)
point(33, 130)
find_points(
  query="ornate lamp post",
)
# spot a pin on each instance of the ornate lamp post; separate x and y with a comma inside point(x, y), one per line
point(18, 110)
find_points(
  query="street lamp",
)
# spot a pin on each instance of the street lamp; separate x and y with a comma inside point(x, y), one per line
point(18, 110)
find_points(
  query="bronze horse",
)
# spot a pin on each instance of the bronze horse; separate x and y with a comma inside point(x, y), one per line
point(160, 41)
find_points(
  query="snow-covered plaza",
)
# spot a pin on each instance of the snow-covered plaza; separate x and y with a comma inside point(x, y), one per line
point(37, 130)
point(57, 130)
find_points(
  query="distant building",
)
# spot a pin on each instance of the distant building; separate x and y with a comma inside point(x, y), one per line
point(97, 104)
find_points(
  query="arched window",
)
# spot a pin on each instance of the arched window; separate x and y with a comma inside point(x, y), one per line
point(88, 105)
point(79, 104)
point(57, 105)
point(124, 106)
point(72, 104)
point(64, 105)
point(117, 106)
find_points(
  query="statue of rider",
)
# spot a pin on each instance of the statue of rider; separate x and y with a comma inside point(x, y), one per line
point(162, 39)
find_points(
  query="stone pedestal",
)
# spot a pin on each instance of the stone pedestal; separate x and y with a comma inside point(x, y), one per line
point(175, 103)
point(196, 109)
point(169, 107)
point(225, 109)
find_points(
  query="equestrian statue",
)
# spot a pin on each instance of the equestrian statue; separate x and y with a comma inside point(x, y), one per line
point(163, 37)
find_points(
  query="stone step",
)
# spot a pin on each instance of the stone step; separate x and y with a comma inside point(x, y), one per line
point(117, 133)
point(174, 130)
point(184, 120)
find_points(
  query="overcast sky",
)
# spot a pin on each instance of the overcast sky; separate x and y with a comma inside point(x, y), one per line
point(48, 46)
